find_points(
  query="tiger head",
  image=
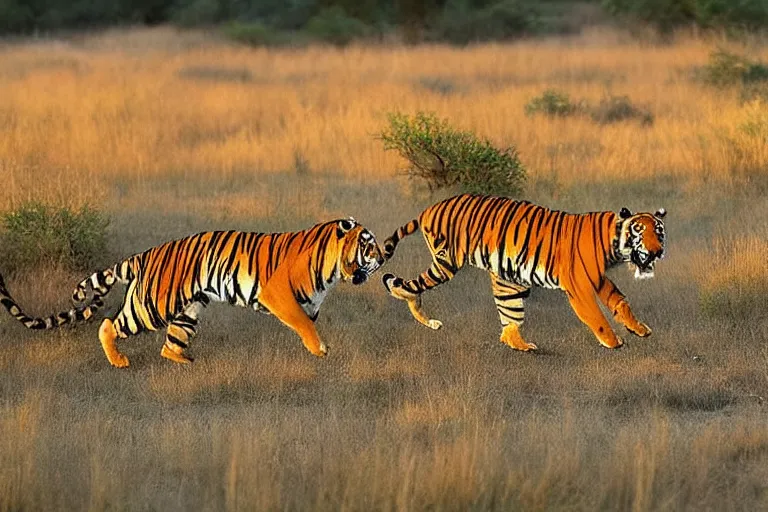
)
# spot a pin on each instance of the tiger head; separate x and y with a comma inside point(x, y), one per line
point(641, 240)
point(361, 255)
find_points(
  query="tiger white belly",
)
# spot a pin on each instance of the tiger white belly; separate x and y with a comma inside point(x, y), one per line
point(523, 273)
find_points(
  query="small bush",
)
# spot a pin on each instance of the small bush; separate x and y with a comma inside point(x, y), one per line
point(726, 69)
point(445, 157)
point(552, 103)
point(38, 234)
point(334, 26)
point(612, 109)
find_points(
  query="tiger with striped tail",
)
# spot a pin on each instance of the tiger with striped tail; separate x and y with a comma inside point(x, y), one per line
point(285, 274)
point(523, 245)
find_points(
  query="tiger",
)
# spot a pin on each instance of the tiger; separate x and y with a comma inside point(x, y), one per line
point(522, 245)
point(285, 274)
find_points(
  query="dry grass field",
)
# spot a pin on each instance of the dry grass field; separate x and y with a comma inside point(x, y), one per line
point(173, 133)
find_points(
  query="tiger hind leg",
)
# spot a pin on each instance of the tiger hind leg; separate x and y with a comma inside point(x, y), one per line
point(509, 303)
point(179, 333)
point(108, 335)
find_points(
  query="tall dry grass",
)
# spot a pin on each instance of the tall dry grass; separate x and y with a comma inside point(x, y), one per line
point(77, 114)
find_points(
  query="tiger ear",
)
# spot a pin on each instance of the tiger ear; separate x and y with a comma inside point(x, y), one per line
point(660, 213)
point(344, 226)
point(625, 213)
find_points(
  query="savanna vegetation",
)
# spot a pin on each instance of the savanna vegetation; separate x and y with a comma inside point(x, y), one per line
point(167, 133)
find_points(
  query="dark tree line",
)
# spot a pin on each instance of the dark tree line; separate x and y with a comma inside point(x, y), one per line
point(458, 21)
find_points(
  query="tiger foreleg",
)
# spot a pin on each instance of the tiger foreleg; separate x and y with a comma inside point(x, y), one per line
point(278, 297)
point(585, 305)
point(395, 287)
point(617, 304)
point(624, 315)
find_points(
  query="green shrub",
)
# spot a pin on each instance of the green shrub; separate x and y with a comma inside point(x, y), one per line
point(612, 109)
point(334, 26)
point(726, 69)
point(445, 157)
point(552, 103)
point(38, 234)
point(460, 23)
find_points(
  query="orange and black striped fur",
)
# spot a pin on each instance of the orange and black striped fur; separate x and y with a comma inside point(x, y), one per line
point(286, 274)
point(522, 245)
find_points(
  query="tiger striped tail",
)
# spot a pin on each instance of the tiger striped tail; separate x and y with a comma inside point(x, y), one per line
point(101, 282)
point(390, 244)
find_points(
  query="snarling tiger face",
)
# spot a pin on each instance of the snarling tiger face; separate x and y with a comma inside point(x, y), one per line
point(641, 241)
point(361, 255)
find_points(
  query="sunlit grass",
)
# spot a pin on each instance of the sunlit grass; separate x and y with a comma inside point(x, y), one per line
point(80, 114)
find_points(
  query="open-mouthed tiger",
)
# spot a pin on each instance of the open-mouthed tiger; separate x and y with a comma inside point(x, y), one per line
point(521, 245)
point(286, 274)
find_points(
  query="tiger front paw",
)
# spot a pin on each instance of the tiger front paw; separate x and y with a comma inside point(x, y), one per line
point(616, 342)
point(641, 329)
point(321, 351)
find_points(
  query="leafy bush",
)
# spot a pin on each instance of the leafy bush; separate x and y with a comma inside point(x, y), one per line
point(445, 157)
point(552, 103)
point(612, 109)
point(459, 23)
point(334, 26)
point(725, 69)
point(38, 234)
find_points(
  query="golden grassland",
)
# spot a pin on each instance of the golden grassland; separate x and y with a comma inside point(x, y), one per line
point(172, 133)
point(76, 115)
